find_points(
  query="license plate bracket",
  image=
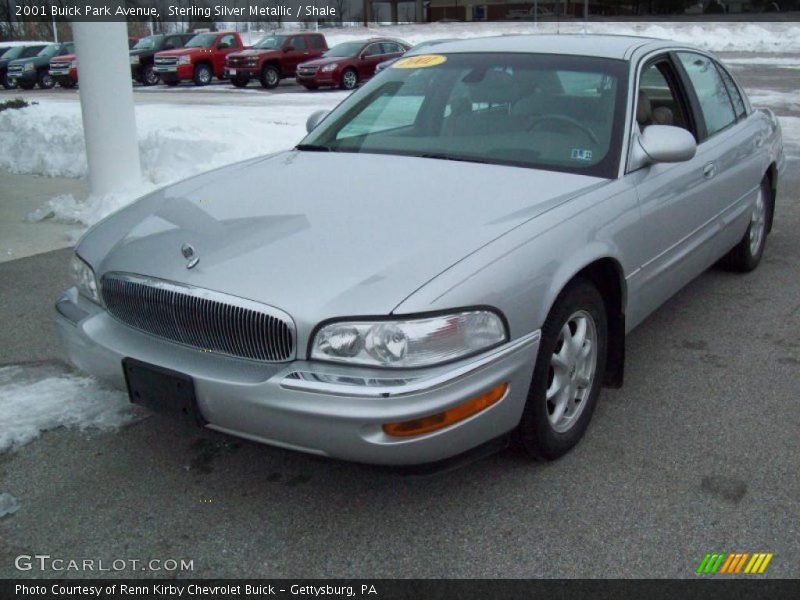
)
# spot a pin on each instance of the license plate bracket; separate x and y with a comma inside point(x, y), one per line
point(161, 390)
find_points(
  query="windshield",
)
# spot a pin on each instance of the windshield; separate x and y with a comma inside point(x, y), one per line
point(49, 50)
point(343, 50)
point(12, 53)
point(560, 113)
point(151, 42)
point(271, 42)
point(202, 40)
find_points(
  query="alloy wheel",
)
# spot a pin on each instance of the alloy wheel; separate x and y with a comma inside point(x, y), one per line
point(572, 370)
point(758, 223)
point(349, 79)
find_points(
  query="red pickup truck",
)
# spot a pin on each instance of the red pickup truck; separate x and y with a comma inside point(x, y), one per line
point(273, 58)
point(201, 59)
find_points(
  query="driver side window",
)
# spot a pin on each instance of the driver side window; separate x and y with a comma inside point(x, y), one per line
point(659, 102)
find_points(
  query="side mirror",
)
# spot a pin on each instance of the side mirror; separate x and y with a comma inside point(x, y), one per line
point(665, 143)
point(315, 119)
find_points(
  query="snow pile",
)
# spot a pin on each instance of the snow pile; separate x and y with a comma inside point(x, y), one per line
point(175, 141)
point(37, 399)
point(738, 37)
point(8, 505)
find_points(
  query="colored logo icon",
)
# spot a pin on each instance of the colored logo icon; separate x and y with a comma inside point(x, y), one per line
point(742, 563)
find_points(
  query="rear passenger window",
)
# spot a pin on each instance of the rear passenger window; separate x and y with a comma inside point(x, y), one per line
point(733, 90)
point(317, 42)
point(715, 103)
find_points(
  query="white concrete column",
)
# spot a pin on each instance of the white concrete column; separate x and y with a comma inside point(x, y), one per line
point(106, 93)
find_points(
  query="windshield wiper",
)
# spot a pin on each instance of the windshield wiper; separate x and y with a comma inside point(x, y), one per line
point(451, 157)
point(314, 148)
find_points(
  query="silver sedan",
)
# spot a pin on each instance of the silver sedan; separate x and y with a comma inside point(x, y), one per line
point(451, 257)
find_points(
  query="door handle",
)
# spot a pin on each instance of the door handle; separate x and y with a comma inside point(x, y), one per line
point(709, 170)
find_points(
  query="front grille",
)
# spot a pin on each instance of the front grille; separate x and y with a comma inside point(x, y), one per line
point(241, 62)
point(209, 321)
point(307, 71)
point(15, 70)
point(59, 67)
point(166, 61)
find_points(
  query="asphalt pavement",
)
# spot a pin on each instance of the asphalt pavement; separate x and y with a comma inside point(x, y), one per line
point(697, 453)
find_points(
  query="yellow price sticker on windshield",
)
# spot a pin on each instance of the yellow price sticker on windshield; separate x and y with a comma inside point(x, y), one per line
point(418, 62)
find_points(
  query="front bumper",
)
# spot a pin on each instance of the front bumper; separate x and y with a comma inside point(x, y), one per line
point(308, 406)
point(319, 79)
point(175, 71)
point(241, 72)
point(23, 77)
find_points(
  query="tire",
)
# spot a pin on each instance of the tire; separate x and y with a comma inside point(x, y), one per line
point(149, 76)
point(202, 74)
point(270, 77)
point(7, 82)
point(28, 85)
point(67, 84)
point(45, 81)
point(349, 79)
point(556, 417)
point(746, 255)
point(239, 82)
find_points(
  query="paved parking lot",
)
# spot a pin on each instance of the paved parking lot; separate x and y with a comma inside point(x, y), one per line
point(698, 452)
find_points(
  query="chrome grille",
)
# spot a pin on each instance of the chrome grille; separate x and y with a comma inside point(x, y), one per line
point(209, 321)
point(307, 71)
point(166, 61)
point(15, 70)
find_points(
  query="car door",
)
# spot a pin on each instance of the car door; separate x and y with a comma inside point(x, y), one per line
point(316, 46)
point(729, 148)
point(295, 52)
point(370, 57)
point(225, 45)
point(678, 211)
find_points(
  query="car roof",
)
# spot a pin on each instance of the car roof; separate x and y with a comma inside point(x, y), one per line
point(581, 44)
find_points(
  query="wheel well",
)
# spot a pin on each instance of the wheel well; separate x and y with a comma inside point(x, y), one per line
point(272, 63)
point(607, 275)
point(772, 177)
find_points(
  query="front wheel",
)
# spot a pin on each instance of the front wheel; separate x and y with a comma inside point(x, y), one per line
point(349, 80)
point(149, 76)
point(568, 374)
point(7, 83)
point(202, 75)
point(270, 77)
point(746, 255)
point(45, 80)
point(67, 84)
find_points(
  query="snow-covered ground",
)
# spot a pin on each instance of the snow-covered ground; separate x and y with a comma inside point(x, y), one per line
point(37, 399)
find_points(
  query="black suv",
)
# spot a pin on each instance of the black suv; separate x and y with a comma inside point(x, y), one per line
point(145, 49)
point(14, 53)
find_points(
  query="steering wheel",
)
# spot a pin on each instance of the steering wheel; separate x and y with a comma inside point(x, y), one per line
point(564, 119)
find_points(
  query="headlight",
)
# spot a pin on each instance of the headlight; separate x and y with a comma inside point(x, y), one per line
point(185, 60)
point(328, 68)
point(84, 279)
point(135, 60)
point(28, 67)
point(406, 343)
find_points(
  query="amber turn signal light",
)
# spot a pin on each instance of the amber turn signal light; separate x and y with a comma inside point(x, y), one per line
point(448, 417)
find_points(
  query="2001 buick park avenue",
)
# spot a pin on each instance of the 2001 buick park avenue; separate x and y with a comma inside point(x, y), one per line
point(475, 232)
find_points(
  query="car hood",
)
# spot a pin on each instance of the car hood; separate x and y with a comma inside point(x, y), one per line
point(182, 51)
point(253, 52)
point(318, 62)
point(64, 58)
point(321, 235)
point(30, 59)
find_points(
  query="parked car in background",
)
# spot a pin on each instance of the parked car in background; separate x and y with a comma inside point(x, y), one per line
point(348, 64)
point(143, 53)
point(64, 70)
point(200, 60)
point(273, 58)
point(35, 70)
point(14, 53)
point(420, 46)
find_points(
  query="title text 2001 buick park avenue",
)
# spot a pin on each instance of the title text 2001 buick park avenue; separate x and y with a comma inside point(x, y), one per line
point(476, 231)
